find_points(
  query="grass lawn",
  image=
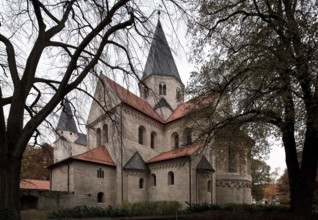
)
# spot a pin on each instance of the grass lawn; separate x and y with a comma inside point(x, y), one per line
point(33, 214)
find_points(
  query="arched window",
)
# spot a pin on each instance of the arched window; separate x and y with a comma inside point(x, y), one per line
point(141, 183)
point(188, 136)
point(153, 139)
point(98, 137)
point(170, 178)
point(105, 133)
point(176, 141)
point(209, 186)
point(153, 179)
point(178, 95)
point(141, 131)
point(162, 89)
point(232, 161)
point(100, 197)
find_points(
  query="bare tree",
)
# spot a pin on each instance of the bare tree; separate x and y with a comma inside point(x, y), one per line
point(263, 56)
point(48, 48)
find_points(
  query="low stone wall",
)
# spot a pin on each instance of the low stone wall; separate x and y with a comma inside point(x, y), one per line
point(55, 200)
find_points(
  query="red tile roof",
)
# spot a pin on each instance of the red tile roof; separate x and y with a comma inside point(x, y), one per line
point(133, 100)
point(98, 155)
point(192, 105)
point(35, 184)
point(176, 153)
point(136, 102)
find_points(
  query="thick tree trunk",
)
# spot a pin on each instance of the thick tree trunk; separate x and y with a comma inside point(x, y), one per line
point(9, 185)
point(305, 187)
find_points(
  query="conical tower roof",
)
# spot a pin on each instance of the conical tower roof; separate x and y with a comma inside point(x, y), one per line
point(66, 121)
point(160, 60)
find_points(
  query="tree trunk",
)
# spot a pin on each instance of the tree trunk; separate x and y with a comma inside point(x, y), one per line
point(10, 186)
point(305, 187)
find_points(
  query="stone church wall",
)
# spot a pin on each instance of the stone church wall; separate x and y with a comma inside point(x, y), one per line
point(135, 186)
point(164, 190)
point(82, 176)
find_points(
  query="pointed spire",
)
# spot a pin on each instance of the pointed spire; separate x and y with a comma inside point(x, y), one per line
point(160, 60)
point(66, 121)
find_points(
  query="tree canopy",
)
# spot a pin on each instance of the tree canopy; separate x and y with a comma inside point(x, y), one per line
point(263, 56)
point(260, 177)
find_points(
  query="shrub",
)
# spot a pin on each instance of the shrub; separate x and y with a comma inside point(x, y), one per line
point(151, 208)
point(7, 214)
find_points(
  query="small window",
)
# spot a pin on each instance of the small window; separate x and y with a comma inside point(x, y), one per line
point(141, 131)
point(232, 161)
point(141, 183)
point(209, 186)
point(170, 178)
point(178, 95)
point(146, 92)
point(100, 197)
point(176, 141)
point(152, 139)
point(100, 173)
point(188, 136)
point(164, 90)
point(98, 137)
point(153, 179)
point(105, 133)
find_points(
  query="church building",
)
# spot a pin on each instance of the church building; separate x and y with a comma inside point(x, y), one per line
point(146, 147)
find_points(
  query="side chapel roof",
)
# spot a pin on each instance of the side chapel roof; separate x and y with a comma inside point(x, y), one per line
point(98, 155)
point(176, 153)
point(160, 60)
point(136, 163)
point(66, 121)
point(205, 165)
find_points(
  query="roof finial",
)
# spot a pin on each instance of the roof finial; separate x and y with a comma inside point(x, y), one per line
point(159, 11)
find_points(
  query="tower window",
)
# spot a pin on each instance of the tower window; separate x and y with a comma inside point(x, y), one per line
point(162, 89)
point(178, 95)
point(170, 178)
point(146, 92)
point(105, 133)
point(98, 137)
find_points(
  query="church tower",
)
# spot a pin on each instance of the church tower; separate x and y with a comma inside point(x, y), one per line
point(66, 125)
point(69, 141)
point(161, 85)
